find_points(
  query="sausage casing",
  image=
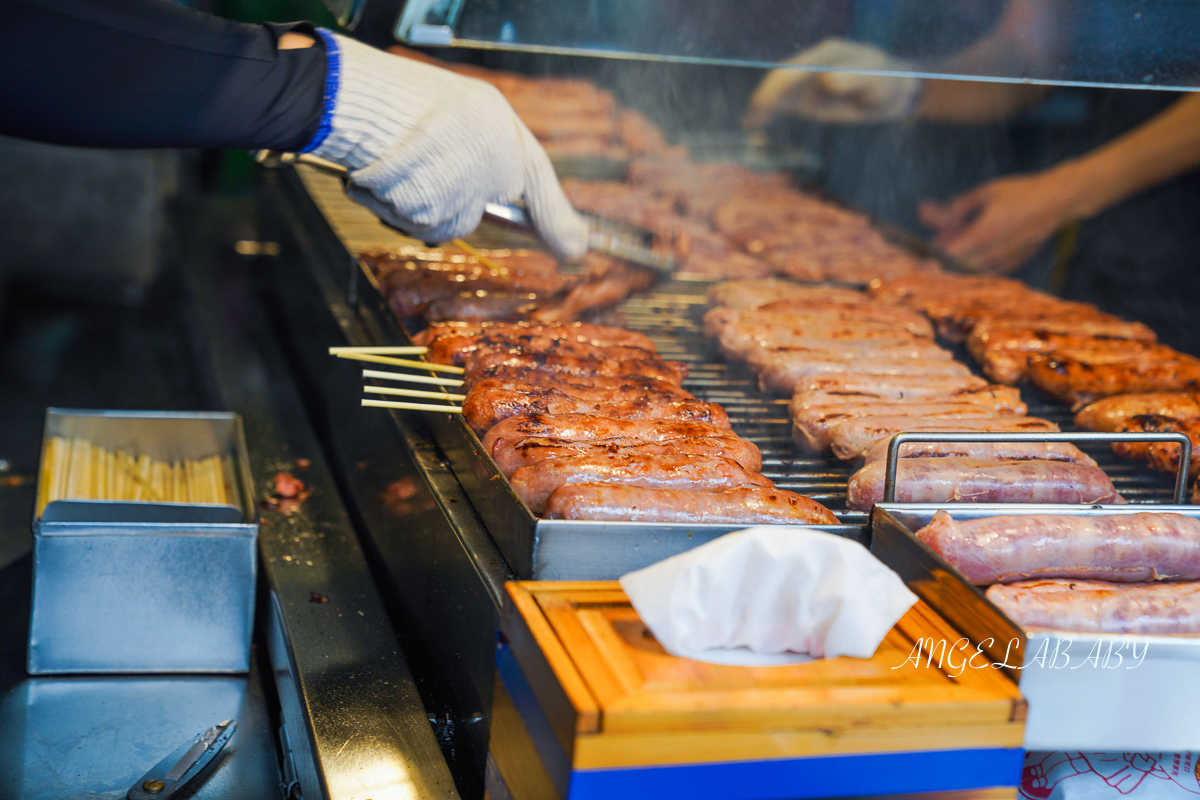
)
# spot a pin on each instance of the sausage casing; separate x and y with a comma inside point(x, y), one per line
point(969, 480)
point(1100, 606)
point(749, 506)
point(535, 483)
point(591, 428)
point(1114, 547)
point(510, 455)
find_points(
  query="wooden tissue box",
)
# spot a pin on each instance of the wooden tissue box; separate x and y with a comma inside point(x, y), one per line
point(588, 705)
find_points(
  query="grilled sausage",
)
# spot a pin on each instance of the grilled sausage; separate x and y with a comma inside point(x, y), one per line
point(851, 439)
point(779, 371)
point(745, 506)
point(755, 293)
point(510, 455)
point(1114, 413)
point(451, 343)
point(534, 483)
point(1101, 607)
point(969, 480)
point(812, 426)
point(550, 366)
point(802, 312)
point(768, 325)
point(478, 305)
point(748, 348)
point(1077, 382)
point(493, 400)
point(1114, 547)
point(1004, 352)
point(594, 428)
point(894, 387)
point(986, 451)
point(993, 397)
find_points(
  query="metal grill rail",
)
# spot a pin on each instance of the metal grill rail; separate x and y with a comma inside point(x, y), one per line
point(671, 317)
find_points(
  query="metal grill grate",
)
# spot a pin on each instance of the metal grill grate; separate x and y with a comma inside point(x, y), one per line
point(671, 316)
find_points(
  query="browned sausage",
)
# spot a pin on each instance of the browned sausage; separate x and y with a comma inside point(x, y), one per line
point(534, 483)
point(512, 454)
point(591, 428)
point(1075, 381)
point(746, 506)
point(1113, 547)
point(451, 343)
point(491, 401)
point(1114, 413)
point(550, 366)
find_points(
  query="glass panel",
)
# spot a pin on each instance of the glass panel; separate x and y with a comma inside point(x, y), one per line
point(1130, 43)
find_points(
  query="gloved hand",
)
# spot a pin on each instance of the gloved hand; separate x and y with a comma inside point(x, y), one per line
point(836, 96)
point(427, 148)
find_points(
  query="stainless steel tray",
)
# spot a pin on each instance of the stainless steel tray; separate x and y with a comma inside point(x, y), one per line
point(540, 549)
point(146, 587)
point(1130, 697)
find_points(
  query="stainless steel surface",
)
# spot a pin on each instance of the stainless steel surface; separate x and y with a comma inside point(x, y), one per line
point(440, 573)
point(146, 587)
point(1086, 692)
point(70, 738)
point(893, 455)
point(183, 766)
point(350, 710)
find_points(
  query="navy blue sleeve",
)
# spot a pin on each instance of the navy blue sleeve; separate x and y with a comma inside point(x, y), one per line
point(153, 73)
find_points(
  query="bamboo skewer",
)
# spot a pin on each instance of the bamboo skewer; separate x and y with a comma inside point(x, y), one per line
point(402, 362)
point(414, 393)
point(368, 402)
point(410, 378)
point(398, 350)
point(471, 251)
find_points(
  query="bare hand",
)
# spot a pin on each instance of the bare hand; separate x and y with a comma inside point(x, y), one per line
point(999, 225)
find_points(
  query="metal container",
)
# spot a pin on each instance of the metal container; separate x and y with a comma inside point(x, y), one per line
point(1086, 692)
point(146, 586)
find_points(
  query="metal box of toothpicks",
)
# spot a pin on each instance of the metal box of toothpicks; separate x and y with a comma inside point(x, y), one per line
point(145, 531)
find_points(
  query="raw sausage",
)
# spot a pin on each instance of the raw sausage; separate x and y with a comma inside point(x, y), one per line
point(1113, 547)
point(1101, 607)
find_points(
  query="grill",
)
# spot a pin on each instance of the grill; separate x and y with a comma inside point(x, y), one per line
point(671, 316)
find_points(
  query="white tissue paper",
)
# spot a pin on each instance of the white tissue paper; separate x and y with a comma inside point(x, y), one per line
point(769, 591)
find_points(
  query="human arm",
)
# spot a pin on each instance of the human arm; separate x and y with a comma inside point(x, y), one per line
point(426, 148)
point(997, 226)
point(1025, 41)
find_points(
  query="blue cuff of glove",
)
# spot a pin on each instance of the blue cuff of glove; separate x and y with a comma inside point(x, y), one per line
point(333, 72)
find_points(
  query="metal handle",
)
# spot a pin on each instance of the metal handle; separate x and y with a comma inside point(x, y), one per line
point(893, 456)
point(512, 214)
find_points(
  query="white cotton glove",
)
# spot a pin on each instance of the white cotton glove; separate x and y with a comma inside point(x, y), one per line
point(845, 97)
point(427, 148)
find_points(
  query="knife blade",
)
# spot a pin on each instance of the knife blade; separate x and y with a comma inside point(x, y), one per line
point(171, 775)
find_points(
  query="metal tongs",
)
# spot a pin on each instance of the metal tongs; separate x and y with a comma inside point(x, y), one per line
point(621, 245)
point(172, 775)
